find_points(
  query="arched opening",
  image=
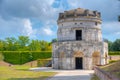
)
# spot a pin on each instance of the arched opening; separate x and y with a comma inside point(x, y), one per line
point(96, 58)
point(78, 60)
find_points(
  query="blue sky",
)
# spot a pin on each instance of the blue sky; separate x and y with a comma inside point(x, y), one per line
point(37, 18)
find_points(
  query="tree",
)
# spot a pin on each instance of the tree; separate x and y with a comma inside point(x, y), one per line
point(10, 43)
point(116, 45)
point(1, 45)
point(35, 45)
point(54, 40)
point(44, 45)
point(23, 42)
point(110, 46)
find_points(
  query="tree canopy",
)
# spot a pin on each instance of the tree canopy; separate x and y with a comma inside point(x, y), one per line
point(23, 43)
point(114, 46)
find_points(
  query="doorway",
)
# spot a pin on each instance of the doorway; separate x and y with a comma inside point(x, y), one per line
point(78, 34)
point(79, 63)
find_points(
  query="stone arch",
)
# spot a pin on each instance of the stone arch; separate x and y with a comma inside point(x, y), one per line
point(79, 60)
point(78, 54)
point(96, 58)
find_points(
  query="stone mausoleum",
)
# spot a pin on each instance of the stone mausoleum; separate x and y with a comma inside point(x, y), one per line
point(80, 44)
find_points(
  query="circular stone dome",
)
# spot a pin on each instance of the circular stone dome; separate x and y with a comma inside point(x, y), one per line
point(78, 13)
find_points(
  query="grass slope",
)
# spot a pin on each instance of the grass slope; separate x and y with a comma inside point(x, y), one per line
point(113, 68)
point(94, 77)
point(18, 72)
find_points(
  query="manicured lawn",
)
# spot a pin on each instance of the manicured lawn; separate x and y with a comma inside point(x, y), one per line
point(22, 73)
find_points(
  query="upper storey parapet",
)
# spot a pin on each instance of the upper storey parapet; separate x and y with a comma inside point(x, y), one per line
point(79, 12)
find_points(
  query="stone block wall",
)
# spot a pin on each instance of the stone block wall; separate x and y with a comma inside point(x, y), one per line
point(64, 54)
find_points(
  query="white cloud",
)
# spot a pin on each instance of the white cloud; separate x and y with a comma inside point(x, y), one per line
point(16, 27)
point(118, 33)
point(48, 31)
point(74, 3)
point(28, 30)
point(40, 9)
point(16, 15)
point(111, 30)
point(10, 27)
point(111, 27)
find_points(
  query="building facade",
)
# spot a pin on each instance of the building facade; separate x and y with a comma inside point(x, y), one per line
point(80, 44)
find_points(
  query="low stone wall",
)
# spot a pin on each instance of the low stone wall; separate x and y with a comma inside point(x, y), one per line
point(103, 75)
point(114, 57)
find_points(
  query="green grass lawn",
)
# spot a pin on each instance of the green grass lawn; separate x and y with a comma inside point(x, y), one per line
point(113, 68)
point(22, 73)
point(94, 77)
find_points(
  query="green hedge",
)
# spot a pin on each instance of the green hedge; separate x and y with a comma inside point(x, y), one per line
point(114, 53)
point(21, 57)
point(112, 61)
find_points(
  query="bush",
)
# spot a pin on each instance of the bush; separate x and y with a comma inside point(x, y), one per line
point(42, 62)
point(112, 61)
point(21, 57)
point(114, 53)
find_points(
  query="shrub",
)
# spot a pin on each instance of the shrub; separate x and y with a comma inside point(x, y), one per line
point(21, 57)
point(42, 62)
point(112, 61)
point(114, 53)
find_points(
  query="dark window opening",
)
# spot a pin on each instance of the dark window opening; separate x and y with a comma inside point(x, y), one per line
point(81, 23)
point(75, 23)
point(96, 23)
point(78, 34)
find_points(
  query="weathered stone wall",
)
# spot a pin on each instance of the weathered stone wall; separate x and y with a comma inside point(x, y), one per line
point(90, 31)
point(63, 54)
